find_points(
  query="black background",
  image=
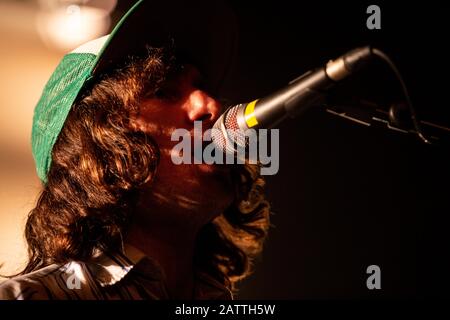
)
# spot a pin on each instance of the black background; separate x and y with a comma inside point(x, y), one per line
point(348, 196)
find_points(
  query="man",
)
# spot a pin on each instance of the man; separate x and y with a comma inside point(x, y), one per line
point(117, 219)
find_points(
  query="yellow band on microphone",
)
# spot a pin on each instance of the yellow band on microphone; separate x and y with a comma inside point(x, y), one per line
point(249, 114)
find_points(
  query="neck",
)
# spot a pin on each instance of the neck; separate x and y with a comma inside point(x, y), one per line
point(173, 248)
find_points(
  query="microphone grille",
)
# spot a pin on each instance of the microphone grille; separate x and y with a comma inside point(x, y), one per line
point(229, 136)
point(231, 119)
point(217, 135)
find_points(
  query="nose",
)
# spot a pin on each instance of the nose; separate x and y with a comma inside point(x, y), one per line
point(202, 107)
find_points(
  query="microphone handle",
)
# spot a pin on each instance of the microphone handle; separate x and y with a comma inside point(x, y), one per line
point(301, 93)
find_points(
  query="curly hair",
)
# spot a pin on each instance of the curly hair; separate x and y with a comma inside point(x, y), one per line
point(99, 165)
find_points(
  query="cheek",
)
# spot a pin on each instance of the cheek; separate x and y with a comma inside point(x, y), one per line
point(161, 134)
point(159, 120)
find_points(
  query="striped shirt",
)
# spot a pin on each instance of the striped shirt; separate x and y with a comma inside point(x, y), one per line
point(130, 275)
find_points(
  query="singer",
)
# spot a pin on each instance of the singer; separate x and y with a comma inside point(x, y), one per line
point(116, 218)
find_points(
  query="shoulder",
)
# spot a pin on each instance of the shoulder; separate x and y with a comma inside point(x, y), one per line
point(28, 286)
point(51, 282)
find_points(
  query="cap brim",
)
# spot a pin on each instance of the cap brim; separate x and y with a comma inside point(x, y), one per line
point(204, 32)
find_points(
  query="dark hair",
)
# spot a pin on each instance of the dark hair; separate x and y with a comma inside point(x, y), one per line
point(98, 166)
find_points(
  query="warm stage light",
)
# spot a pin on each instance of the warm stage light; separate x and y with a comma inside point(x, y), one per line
point(65, 25)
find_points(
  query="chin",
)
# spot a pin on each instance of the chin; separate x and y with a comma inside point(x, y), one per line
point(215, 187)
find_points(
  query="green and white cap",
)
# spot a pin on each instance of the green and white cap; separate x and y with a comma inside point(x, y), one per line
point(204, 32)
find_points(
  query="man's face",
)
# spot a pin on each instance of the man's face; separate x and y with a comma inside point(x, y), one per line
point(195, 193)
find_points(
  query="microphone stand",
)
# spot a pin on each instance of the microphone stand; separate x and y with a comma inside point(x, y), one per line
point(397, 119)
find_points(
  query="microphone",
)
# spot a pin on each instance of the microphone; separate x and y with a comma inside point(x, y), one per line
point(300, 94)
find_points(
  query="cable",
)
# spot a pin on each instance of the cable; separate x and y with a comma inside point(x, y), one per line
point(416, 123)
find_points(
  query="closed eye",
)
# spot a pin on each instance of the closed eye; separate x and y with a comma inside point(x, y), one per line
point(170, 92)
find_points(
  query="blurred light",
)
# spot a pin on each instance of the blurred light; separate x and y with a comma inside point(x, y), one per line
point(64, 25)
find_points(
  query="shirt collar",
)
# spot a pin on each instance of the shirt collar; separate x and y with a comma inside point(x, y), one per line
point(110, 268)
